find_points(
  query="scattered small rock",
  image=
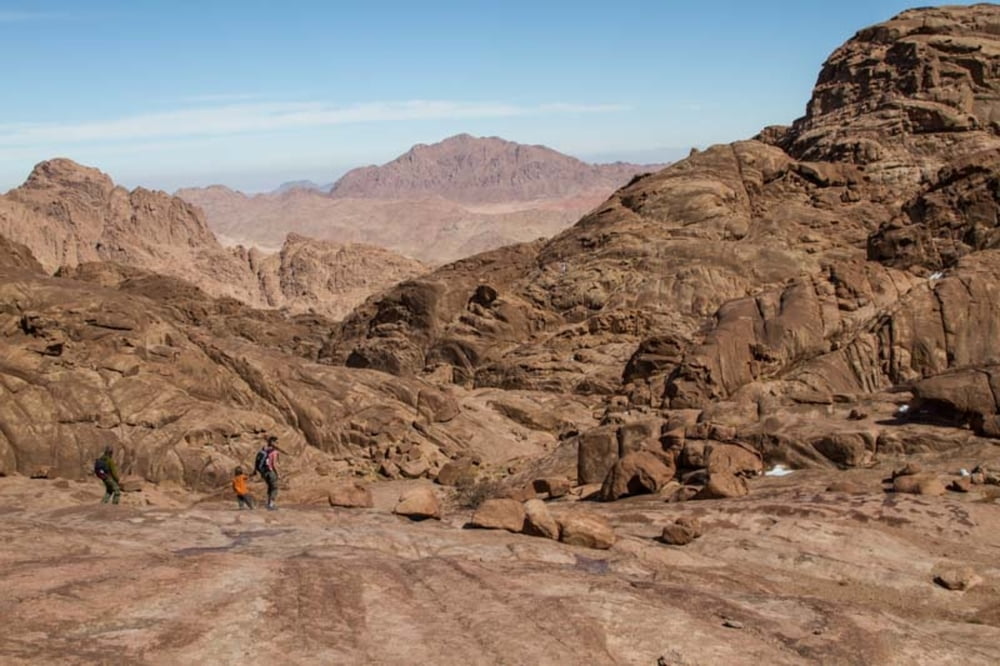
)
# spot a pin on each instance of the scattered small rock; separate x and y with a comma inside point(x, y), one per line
point(722, 485)
point(962, 484)
point(538, 521)
point(414, 469)
point(958, 579)
point(457, 473)
point(419, 504)
point(499, 514)
point(681, 532)
point(586, 529)
point(554, 487)
point(918, 484)
point(732, 624)
point(910, 469)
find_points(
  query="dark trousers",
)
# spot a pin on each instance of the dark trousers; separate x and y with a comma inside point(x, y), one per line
point(112, 491)
point(244, 500)
point(271, 478)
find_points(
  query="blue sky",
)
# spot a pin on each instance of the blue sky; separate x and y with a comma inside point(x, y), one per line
point(252, 93)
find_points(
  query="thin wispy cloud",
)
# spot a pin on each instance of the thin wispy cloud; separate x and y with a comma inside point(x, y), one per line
point(19, 17)
point(272, 116)
point(216, 98)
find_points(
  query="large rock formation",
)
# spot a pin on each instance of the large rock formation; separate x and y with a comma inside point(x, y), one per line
point(768, 292)
point(834, 259)
point(68, 215)
point(313, 276)
point(185, 386)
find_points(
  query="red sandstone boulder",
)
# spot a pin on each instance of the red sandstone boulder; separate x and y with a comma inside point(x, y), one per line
point(457, 473)
point(418, 504)
point(637, 473)
point(918, 484)
point(499, 514)
point(734, 459)
point(553, 487)
point(848, 449)
point(682, 531)
point(598, 453)
point(586, 529)
point(538, 521)
point(723, 485)
point(693, 454)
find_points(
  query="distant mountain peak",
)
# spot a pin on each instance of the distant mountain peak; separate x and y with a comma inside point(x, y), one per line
point(470, 169)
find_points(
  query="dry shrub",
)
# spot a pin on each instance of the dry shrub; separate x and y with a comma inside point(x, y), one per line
point(472, 495)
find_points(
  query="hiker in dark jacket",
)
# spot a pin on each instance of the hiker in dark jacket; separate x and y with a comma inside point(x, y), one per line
point(107, 471)
point(266, 464)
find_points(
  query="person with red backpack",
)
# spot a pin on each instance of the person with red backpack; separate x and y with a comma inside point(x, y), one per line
point(107, 471)
point(266, 464)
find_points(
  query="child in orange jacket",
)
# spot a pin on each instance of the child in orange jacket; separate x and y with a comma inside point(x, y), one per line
point(240, 487)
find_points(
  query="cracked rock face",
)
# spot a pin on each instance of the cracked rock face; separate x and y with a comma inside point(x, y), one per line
point(71, 216)
point(186, 387)
point(847, 254)
point(823, 296)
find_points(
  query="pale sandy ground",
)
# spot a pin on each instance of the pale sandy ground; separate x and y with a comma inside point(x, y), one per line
point(812, 577)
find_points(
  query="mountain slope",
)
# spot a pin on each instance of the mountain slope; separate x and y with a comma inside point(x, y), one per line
point(753, 278)
point(475, 170)
point(68, 215)
point(436, 203)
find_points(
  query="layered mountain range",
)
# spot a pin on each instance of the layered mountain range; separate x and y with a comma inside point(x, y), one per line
point(813, 267)
point(824, 262)
point(436, 203)
point(823, 296)
point(69, 215)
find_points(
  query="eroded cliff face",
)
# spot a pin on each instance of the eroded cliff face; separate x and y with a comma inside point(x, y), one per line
point(68, 215)
point(187, 386)
point(847, 254)
point(757, 284)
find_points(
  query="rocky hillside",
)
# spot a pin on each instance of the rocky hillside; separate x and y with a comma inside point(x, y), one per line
point(763, 284)
point(67, 214)
point(785, 294)
point(822, 296)
point(185, 385)
point(431, 230)
point(313, 276)
point(436, 203)
point(475, 170)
